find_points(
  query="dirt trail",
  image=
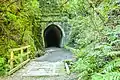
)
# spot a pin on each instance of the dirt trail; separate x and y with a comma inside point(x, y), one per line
point(56, 54)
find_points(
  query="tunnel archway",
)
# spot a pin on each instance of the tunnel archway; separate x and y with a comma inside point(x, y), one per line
point(52, 36)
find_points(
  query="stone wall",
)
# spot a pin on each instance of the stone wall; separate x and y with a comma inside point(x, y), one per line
point(63, 25)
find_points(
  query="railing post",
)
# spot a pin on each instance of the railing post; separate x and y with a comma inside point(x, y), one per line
point(28, 52)
point(11, 59)
point(21, 56)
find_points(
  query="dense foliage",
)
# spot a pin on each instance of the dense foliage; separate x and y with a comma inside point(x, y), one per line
point(95, 38)
point(17, 20)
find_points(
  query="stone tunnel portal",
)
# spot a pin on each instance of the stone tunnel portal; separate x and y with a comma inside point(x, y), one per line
point(52, 36)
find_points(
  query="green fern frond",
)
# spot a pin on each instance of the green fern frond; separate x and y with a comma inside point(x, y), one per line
point(111, 65)
point(83, 75)
point(80, 65)
point(113, 53)
point(107, 76)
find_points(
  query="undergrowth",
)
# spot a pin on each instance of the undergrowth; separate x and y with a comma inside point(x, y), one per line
point(17, 19)
point(95, 39)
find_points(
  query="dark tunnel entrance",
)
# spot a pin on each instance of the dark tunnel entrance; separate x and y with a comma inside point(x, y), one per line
point(52, 36)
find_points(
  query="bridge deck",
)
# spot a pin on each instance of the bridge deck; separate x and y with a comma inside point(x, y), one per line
point(48, 67)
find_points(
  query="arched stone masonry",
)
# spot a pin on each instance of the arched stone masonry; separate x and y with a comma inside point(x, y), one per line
point(52, 33)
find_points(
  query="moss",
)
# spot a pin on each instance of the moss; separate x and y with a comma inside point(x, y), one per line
point(17, 18)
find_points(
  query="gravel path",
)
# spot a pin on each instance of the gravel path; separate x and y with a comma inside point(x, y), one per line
point(56, 54)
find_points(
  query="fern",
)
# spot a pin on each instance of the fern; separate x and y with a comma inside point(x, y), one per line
point(113, 53)
point(111, 66)
point(107, 76)
point(83, 76)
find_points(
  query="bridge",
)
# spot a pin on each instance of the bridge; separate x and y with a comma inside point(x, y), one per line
point(51, 66)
